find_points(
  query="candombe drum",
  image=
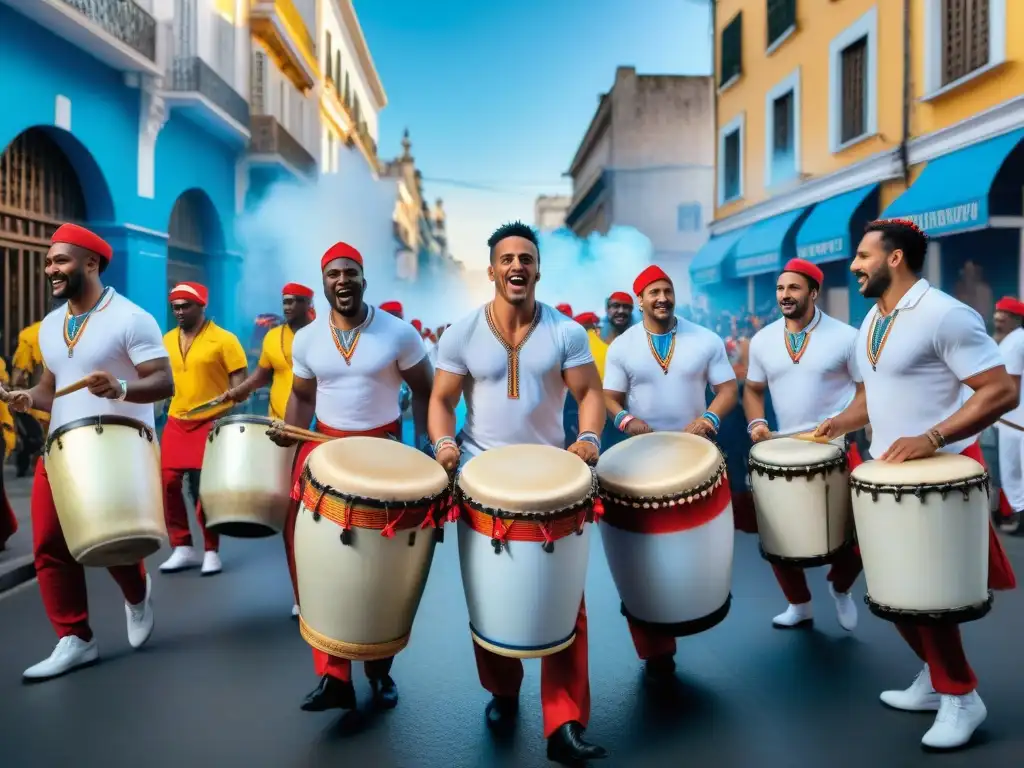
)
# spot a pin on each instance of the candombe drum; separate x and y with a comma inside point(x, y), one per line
point(668, 530)
point(524, 544)
point(802, 500)
point(245, 484)
point(104, 472)
point(364, 541)
point(923, 531)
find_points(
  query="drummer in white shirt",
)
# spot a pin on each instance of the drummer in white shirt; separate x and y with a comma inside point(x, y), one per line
point(1008, 316)
point(656, 378)
point(806, 360)
point(916, 350)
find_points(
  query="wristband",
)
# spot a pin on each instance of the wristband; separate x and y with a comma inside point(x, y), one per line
point(755, 423)
point(589, 437)
point(625, 422)
point(937, 439)
point(442, 442)
point(621, 417)
point(124, 389)
point(713, 419)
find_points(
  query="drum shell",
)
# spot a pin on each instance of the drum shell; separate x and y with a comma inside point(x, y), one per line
point(803, 516)
point(246, 481)
point(924, 554)
point(363, 593)
point(107, 489)
point(523, 602)
point(673, 578)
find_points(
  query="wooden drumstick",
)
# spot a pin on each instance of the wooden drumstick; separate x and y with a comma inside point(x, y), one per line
point(810, 437)
point(80, 384)
point(297, 433)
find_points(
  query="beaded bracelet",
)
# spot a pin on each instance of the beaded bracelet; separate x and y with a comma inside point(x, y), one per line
point(713, 418)
point(589, 437)
point(625, 422)
point(620, 417)
point(442, 442)
point(754, 423)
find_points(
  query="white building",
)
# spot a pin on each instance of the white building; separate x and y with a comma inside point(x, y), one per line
point(549, 212)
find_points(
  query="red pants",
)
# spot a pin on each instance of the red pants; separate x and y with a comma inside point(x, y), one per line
point(181, 454)
point(650, 645)
point(325, 663)
point(61, 578)
point(564, 679)
point(844, 571)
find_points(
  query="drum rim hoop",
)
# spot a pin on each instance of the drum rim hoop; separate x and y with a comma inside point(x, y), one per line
point(459, 496)
point(351, 499)
point(807, 470)
point(671, 498)
point(920, 490)
point(104, 420)
point(244, 418)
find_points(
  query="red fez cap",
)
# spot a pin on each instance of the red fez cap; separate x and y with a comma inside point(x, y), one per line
point(565, 309)
point(297, 289)
point(805, 268)
point(1011, 305)
point(621, 297)
point(587, 318)
point(392, 306)
point(72, 234)
point(417, 325)
point(652, 274)
point(341, 251)
point(194, 292)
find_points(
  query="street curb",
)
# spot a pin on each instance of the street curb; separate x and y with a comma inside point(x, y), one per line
point(23, 569)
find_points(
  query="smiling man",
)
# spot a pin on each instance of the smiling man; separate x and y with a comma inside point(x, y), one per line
point(102, 336)
point(619, 311)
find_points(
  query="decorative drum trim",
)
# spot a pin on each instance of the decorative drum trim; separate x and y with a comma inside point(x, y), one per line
point(920, 491)
point(242, 419)
point(589, 502)
point(537, 652)
point(808, 562)
point(99, 422)
point(810, 470)
point(960, 615)
point(683, 628)
point(351, 651)
point(681, 497)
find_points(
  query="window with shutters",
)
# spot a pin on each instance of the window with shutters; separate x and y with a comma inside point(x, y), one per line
point(853, 83)
point(854, 91)
point(731, 51)
point(328, 57)
point(965, 37)
point(337, 70)
point(730, 161)
point(782, 130)
point(781, 20)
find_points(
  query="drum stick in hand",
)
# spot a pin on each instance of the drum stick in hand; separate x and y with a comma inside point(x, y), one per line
point(810, 437)
point(80, 384)
point(297, 433)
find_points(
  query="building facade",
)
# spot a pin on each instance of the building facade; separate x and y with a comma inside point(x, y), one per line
point(130, 118)
point(644, 163)
point(549, 212)
point(832, 114)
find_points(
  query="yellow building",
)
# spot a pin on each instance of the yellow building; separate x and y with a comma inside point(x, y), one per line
point(830, 114)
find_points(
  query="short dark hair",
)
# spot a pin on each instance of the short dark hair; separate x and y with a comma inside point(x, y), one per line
point(904, 235)
point(513, 229)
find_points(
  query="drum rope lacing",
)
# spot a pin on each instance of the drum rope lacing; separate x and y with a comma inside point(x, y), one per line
point(920, 491)
point(688, 496)
point(546, 527)
point(807, 470)
point(98, 423)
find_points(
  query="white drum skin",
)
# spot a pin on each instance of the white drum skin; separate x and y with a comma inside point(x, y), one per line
point(923, 555)
point(104, 474)
point(246, 480)
point(802, 499)
point(523, 602)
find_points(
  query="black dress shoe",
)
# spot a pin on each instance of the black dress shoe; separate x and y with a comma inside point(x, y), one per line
point(330, 694)
point(501, 711)
point(660, 668)
point(385, 693)
point(566, 746)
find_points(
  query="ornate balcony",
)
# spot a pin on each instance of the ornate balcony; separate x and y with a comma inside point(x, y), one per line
point(282, 29)
point(117, 32)
point(206, 98)
point(271, 144)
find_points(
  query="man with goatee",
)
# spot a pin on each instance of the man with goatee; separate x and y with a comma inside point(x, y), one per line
point(101, 336)
point(619, 311)
point(806, 361)
point(514, 359)
point(348, 366)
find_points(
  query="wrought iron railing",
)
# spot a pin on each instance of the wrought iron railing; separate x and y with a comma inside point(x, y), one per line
point(192, 74)
point(269, 137)
point(123, 19)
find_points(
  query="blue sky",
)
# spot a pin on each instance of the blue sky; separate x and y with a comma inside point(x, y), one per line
point(498, 94)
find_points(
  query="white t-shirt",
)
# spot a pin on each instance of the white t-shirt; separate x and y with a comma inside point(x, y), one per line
point(503, 408)
point(935, 343)
point(821, 385)
point(117, 336)
point(667, 402)
point(362, 395)
point(1012, 350)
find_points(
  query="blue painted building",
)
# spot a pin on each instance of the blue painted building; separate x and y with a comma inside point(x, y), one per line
point(111, 120)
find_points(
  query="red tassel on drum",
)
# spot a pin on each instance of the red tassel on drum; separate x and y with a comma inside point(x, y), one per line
point(388, 532)
point(549, 540)
point(453, 510)
point(428, 519)
point(598, 509)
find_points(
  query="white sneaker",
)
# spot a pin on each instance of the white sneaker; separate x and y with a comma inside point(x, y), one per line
point(211, 564)
point(846, 609)
point(140, 618)
point(181, 559)
point(295, 611)
point(70, 653)
point(794, 616)
point(919, 697)
point(958, 719)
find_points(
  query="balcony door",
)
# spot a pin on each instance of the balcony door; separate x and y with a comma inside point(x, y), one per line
point(187, 244)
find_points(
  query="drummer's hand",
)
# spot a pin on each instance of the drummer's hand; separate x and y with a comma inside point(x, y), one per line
point(586, 450)
point(17, 400)
point(827, 429)
point(637, 426)
point(760, 433)
point(103, 384)
point(281, 440)
point(701, 427)
point(448, 457)
point(908, 448)
point(237, 394)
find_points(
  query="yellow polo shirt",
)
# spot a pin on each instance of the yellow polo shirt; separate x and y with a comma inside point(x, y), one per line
point(599, 349)
point(28, 356)
point(276, 356)
point(203, 373)
point(10, 437)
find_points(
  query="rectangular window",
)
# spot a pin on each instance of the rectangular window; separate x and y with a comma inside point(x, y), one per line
point(965, 37)
point(688, 217)
point(853, 108)
point(328, 56)
point(853, 83)
point(731, 161)
point(783, 138)
point(732, 50)
point(781, 19)
point(337, 69)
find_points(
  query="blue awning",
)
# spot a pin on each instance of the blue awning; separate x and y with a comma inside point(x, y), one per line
point(825, 234)
point(759, 251)
point(707, 265)
point(951, 194)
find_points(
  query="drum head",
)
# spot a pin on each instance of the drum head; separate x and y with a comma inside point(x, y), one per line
point(935, 470)
point(788, 452)
point(526, 479)
point(659, 464)
point(376, 468)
